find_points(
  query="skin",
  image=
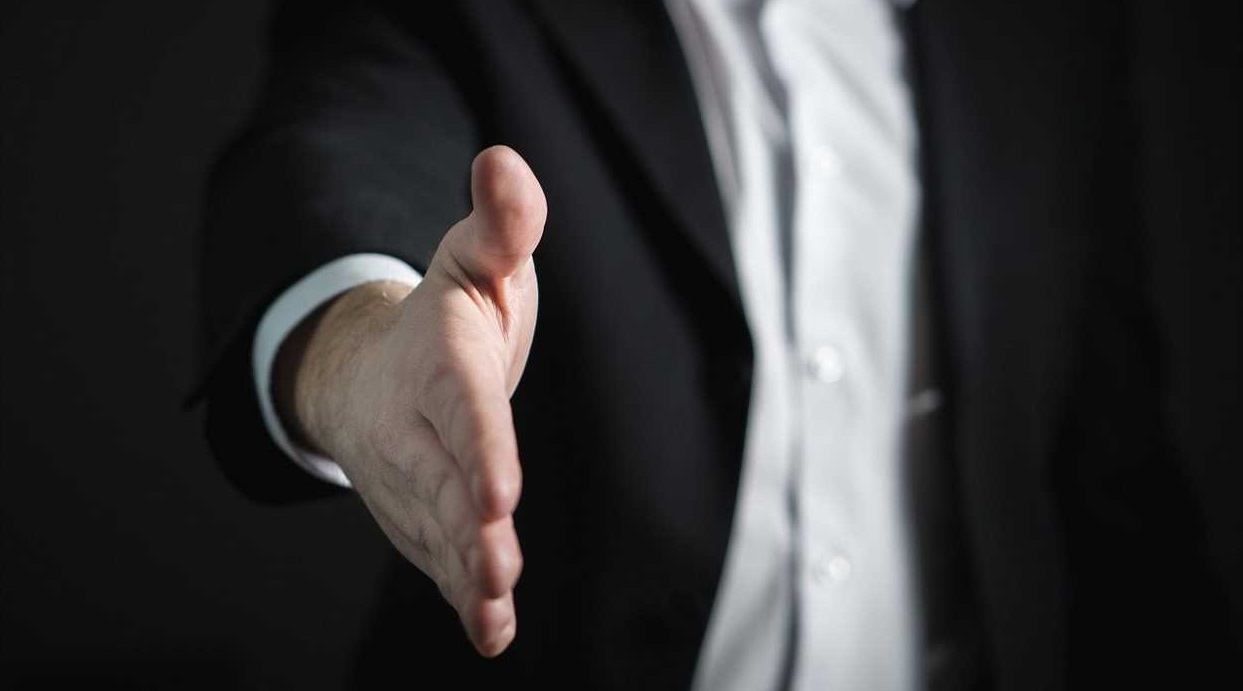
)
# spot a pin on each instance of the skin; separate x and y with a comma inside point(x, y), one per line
point(408, 390)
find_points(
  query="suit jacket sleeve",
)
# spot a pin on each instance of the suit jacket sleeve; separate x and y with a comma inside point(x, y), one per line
point(361, 142)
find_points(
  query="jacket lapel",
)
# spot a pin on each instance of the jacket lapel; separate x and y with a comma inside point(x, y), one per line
point(627, 54)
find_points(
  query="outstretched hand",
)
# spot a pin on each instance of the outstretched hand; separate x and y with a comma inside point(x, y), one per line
point(409, 393)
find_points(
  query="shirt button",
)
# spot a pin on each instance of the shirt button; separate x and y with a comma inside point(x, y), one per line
point(827, 161)
point(826, 364)
point(831, 569)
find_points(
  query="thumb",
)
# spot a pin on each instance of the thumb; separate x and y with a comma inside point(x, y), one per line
point(501, 232)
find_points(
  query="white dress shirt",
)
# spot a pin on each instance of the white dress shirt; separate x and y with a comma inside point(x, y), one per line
point(811, 128)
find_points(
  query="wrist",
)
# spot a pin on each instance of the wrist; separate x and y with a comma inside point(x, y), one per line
point(322, 361)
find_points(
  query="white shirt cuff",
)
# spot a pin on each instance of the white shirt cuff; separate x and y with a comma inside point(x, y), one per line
point(287, 311)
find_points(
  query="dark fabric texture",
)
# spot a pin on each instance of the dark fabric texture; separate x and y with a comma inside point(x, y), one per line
point(1080, 167)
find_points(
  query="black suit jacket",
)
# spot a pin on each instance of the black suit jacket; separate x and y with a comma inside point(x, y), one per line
point(1080, 170)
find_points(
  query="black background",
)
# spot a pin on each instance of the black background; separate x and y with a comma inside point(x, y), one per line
point(124, 554)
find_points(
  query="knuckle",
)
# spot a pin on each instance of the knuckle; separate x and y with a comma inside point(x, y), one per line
point(517, 563)
point(507, 486)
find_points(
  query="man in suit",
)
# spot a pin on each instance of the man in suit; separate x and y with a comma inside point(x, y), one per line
point(1072, 513)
